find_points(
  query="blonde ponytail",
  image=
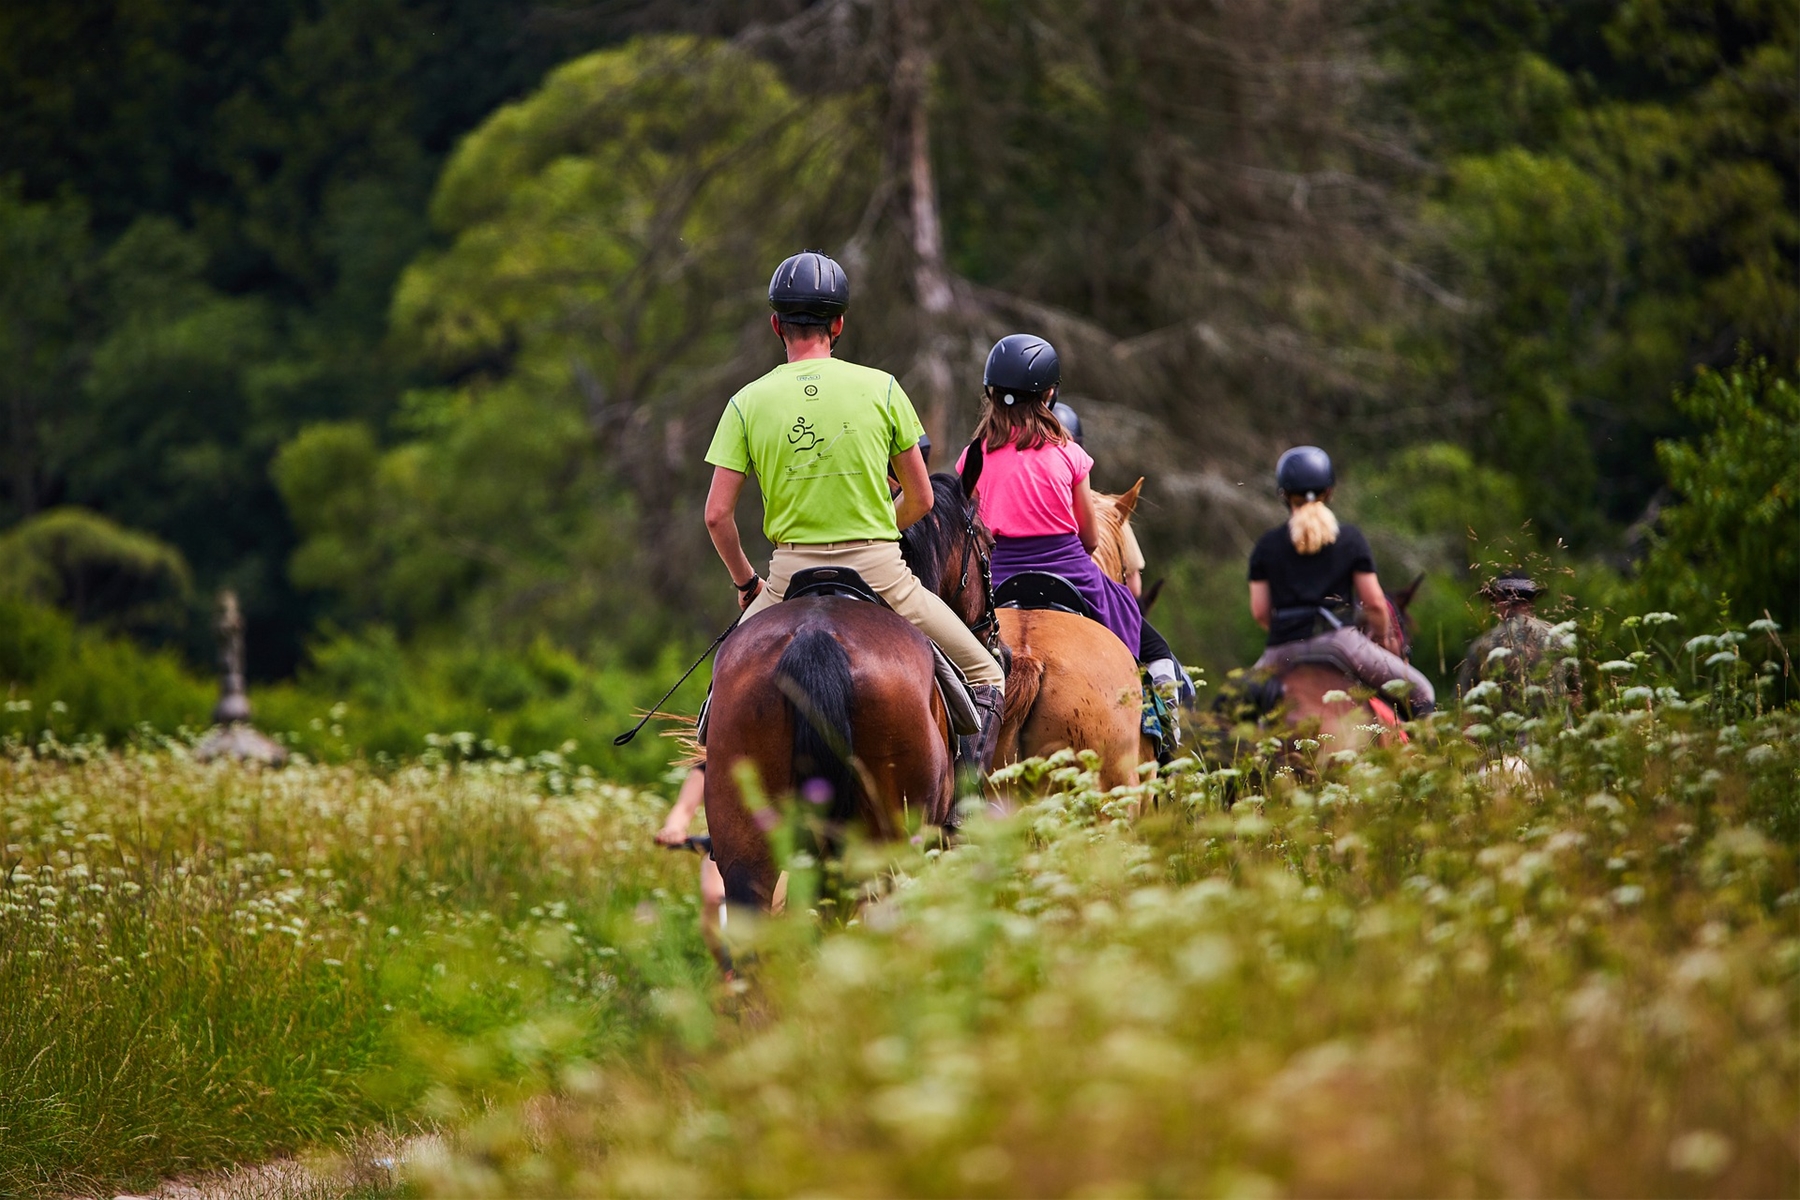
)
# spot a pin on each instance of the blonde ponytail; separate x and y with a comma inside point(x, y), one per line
point(1312, 526)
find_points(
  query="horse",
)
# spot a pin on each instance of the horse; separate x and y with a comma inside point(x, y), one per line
point(1073, 683)
point(835, 699)
point(1302, 696)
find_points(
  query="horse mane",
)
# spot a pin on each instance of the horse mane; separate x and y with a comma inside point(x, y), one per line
point(927, 543)
point(1113, 512)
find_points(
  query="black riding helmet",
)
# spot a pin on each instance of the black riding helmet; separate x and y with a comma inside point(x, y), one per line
point(1069, 419)
point(1022, 362)
point(809, 289)
point(1512, 585)
point(1305, 471)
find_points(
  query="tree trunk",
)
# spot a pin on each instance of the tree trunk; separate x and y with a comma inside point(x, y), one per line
point(931, 279)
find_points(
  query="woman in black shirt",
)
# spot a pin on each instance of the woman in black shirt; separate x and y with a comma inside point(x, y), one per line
point(1304, 576)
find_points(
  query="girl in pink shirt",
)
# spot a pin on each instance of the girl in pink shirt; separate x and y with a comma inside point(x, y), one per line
point(1033, 491)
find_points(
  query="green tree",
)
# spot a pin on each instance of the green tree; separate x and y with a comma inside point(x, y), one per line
point(1619, 205)
point(95, 570)
point(44, 332)
point(596, 300)
point(1733, 534)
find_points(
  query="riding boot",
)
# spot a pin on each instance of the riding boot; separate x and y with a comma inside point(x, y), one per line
point(1172, 675)
point(1168, 689)
point(977, 750)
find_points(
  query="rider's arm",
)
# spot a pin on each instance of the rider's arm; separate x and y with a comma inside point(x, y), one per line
point(915, 497)
point(1375, 608)
point(1261, 607)
point(721, 523)
point(687, 804)
point(1085, 521)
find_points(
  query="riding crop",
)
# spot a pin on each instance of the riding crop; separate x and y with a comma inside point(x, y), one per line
point(654, 708)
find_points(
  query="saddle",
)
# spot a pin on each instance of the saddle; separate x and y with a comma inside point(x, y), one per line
point(1043, 590)
point(1048, 591)
point(844, 582)
point(832, 581)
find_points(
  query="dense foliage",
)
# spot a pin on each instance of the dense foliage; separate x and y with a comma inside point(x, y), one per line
point(375, 321)
point(1729, 543)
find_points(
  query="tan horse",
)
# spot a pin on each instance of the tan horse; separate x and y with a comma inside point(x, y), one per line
point(1073, 683)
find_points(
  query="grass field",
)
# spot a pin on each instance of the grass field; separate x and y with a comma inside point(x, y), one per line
point(208, 964)
point(1517, 955)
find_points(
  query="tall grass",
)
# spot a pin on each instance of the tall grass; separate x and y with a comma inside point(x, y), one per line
point(209, 964)
point(1527, 952)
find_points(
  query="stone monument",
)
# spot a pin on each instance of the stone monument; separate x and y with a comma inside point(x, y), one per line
point(232, 734)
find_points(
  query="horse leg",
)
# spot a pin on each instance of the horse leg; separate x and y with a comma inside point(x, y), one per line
point(746, 867)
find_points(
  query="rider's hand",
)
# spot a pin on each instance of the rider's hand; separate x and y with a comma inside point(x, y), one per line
point(1394, 643)
point(745, 599)
point(669, 835)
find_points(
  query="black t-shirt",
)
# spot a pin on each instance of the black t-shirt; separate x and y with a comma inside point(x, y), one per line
point(1308, 581)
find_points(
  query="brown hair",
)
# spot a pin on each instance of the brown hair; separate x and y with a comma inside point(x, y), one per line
point(1026, 423)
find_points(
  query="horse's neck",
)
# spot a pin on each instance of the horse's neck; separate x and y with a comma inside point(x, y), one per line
point(1396, 620)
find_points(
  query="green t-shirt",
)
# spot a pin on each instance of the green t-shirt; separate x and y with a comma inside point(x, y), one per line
point(819, 434)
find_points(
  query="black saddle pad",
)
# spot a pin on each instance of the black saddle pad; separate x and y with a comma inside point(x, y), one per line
point(831, 581)
point(1042, 589)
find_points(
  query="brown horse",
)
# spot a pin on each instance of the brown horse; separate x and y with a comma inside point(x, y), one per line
point(1073, 683)
point(834, 699)
point(1322, 702)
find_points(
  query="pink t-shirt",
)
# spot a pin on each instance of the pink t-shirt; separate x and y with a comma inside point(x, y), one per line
point(1030, 493)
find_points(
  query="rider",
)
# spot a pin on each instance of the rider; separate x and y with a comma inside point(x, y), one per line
point(1522, 652)
point(1304, 575)
point(1034, 492)
point(1036, 498)
point(821, 434)
point(674, 834)
point(1153, 649)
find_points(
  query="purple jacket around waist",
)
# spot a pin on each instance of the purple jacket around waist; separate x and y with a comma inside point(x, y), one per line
point(1061, 554)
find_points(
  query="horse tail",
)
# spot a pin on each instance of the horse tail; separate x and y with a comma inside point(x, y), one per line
point(819, 703)
point(1023, 683)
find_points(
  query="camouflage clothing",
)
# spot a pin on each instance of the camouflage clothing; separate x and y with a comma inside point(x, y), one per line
point(1518, 653)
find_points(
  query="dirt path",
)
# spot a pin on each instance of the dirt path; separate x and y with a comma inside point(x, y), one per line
point(365, 1166)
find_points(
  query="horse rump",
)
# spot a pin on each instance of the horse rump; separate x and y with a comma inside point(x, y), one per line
point(814, 676)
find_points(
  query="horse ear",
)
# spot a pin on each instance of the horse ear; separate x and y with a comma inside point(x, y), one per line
point(1149, 596)
point(971, 470)
point(1404, 597)
point(1128, 502)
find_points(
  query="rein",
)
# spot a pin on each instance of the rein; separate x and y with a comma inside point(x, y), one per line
point(988, 627)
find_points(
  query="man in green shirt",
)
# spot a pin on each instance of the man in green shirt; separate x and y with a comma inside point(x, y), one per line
point(820, 435)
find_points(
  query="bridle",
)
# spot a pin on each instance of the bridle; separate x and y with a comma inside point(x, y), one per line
point(988, 627)
point(1397, 619)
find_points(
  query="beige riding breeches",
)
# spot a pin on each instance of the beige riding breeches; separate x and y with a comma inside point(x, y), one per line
point(882, 568)
point(1354, 654)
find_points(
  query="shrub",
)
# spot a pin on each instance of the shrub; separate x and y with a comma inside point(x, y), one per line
point(1729, 539)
